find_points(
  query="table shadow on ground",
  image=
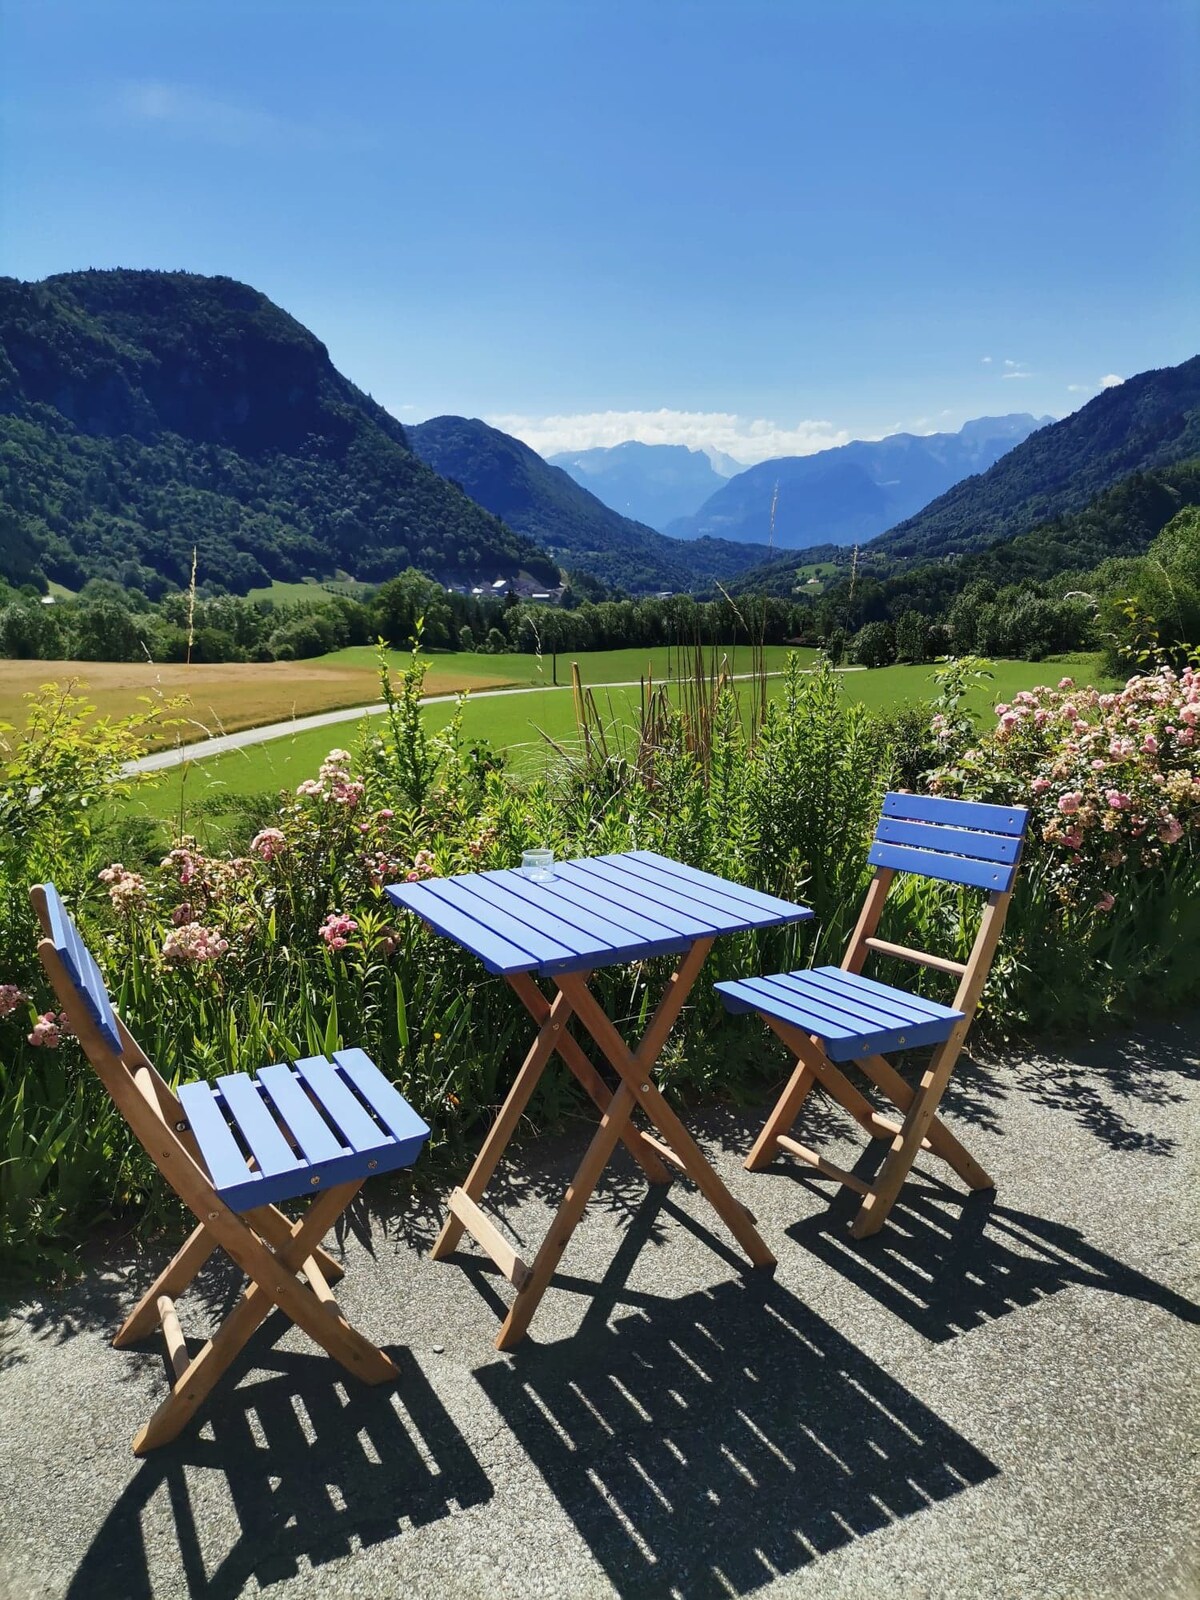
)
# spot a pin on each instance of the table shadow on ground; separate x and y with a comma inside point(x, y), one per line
point(313, 1464)
point(706, 1445)
point(946, 1262)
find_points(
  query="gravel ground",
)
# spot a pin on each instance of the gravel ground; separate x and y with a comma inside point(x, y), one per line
point(996, 1397)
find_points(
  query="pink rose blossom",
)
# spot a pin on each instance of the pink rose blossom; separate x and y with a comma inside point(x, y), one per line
point(1040, 785)
point(1070, 801)
point(1150, 745)
point(1116, 800)
point(1105, 904)
point(1170, 830)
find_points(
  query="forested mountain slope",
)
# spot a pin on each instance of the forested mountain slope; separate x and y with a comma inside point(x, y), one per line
point(1147, 422)
point(142, 413)
point(549, 506)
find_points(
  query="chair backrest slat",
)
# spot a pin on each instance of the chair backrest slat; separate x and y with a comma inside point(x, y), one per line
point(999, 847)
point(81, 968)
point(957, 841)
point(950, 869)
point(956, 813)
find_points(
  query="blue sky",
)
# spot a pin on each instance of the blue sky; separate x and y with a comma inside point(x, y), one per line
point(763, 225)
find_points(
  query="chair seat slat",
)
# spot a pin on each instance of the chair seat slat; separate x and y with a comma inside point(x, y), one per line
point(950, 869)
point(893, 1007)
point(309, 1129)
point(341, 1105)
point(257, 1126)
point(997, 847)
point(389, 1105)
point(956, 813)
point(222, 1155)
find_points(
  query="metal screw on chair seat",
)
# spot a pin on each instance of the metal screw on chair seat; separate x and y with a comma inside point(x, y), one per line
point(315, 1179)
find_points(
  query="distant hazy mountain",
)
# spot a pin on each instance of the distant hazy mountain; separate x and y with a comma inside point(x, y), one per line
point(543, 504)
point(850, 494)
point(1147, 422)
point(654, 483)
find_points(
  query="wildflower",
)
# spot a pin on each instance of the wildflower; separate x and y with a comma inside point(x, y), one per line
point(126, 890)
point(1066, 683)
point(1117, 800)
point(385, 815)
point(50, 1029)
point(311, 789)
point(1040, 785)
point(184, 913)
point(336, 929)
point(194, 944)
point(1170, 830)
point(1070, 801)
point(10, 998)
point(1105, 904)
point(269, 843)
point(1150, 745)
point(423, 867)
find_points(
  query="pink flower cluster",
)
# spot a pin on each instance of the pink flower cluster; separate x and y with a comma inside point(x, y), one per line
point(333, 782)
point(423, 867)
point(192, 944)
point(126, 890)
point(1110, 778)
point(336, 930)
point(268, 844)
point(10, 998)
point(50, 1029)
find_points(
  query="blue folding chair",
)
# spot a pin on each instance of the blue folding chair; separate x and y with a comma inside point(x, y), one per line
point(834, 1014)
point(232, 1150)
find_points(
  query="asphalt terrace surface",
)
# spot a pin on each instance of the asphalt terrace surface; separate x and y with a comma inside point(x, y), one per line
point(996, 1397)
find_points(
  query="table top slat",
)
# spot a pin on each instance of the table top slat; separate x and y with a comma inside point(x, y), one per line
point(771, 905)
point(476, 898)
point(557, 908)
point(497, 954)
point(594, 911)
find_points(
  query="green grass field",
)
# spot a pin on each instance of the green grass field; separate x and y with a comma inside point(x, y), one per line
point(523, 724)
point(308, 589)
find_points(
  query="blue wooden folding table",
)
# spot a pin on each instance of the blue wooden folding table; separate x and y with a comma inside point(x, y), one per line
point(591, 913)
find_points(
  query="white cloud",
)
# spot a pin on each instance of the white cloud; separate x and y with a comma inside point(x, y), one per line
point(1080, 388)
point(176, 108)
point(746, 439)
point(986, 360)
point(1110, 380)
point(1012, 363)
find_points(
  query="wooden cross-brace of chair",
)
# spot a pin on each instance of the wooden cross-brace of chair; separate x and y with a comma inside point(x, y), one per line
point(231, 1151)
point(831, 1016)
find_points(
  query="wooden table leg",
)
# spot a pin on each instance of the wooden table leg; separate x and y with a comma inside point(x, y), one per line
point(635, 1070)
point(573, 1054)
point(505, 1125)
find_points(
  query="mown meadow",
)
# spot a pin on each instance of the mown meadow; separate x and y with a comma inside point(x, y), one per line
point(280, 941)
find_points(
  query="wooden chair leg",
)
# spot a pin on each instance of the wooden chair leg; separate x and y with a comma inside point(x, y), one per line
point(171, 1281)
point(273, 1283)
point(872, 1214)
point(787, 1109)
point(941, 1141)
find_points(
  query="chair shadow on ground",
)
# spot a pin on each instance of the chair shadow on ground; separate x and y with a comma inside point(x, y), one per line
point(948, 1261)
point(308, 1466)
point(705, 1445)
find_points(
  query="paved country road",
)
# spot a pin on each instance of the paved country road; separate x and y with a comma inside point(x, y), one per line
point(204, 749)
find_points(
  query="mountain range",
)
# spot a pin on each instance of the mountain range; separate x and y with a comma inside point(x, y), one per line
point(652, 483)
point(580, 532)
point(849, 494)
point(1149, 421)
point(146, 413)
